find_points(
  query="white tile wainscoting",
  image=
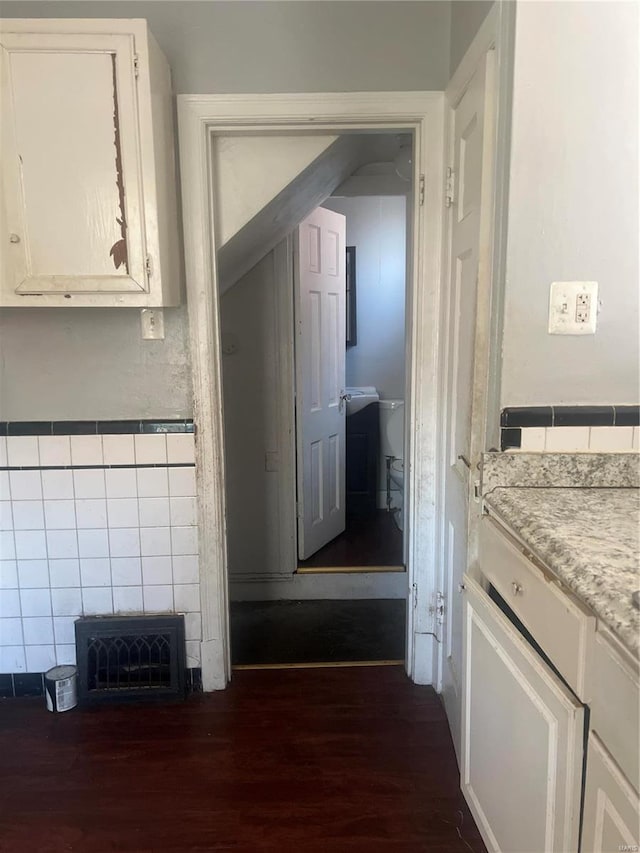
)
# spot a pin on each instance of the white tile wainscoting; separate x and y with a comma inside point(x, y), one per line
point(579, 439)
point(79, 536)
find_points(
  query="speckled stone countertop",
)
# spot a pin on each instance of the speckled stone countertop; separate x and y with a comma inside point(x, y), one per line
point(589, 538)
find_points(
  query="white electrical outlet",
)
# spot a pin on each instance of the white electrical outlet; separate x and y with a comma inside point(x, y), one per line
point(573, 307)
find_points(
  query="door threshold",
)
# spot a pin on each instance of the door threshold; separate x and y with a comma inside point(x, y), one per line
point(319, 665)
point(324, 570)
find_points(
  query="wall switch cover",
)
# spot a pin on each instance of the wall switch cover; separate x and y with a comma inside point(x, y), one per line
point(573, 307)
point(152, 322)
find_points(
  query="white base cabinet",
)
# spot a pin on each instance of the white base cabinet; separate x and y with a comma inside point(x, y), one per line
point(611, 810)
point(88, 213)
point(522, 738)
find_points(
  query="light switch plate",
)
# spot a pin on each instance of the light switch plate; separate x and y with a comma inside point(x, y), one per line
point(573, 307)
point(152, 322)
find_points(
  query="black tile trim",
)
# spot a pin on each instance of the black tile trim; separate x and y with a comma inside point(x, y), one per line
point(32, 683)
point(627, 415)
point(28, 684)
point(548, 416)
point(510, 437)
point(525, 416)
point(95, 427)
point(583, 416)
point(95, 467)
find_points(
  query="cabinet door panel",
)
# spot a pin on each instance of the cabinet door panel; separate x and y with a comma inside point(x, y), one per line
point(72, 163)
point(522, 735)
point(611, 806)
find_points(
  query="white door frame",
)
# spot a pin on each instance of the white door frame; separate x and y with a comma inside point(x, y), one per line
point(200, 117)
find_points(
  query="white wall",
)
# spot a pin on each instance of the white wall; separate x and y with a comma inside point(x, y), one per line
point(250, 417)
point(211, 47)
point(284, 47)
point(573, 205)
point(92, 364)
point(376, 226)
point(466, 18)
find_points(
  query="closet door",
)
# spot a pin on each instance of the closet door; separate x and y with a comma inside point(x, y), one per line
point(71, 164)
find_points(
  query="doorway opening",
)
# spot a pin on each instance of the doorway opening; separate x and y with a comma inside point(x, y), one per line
point(375, 204)
point(314, 351)
point(206, 207)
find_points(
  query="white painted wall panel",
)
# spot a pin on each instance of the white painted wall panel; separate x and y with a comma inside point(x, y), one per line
point(573, 206)
point(252, 170)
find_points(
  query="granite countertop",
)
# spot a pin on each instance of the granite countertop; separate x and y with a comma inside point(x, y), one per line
point(589, 538)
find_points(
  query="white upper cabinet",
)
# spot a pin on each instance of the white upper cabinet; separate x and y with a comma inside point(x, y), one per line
point(88, 175)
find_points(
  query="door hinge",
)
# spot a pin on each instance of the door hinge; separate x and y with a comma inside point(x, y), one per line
point(439, 608)
point(148, 266)
point(450, 187)
point(414, 592)
point(136, 65)
point(421, 190)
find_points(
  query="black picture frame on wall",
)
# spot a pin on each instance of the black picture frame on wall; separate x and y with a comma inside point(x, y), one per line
point(351, 330)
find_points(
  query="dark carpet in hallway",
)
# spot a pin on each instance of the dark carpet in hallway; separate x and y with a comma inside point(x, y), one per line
point(354, 760)
point(269, 632)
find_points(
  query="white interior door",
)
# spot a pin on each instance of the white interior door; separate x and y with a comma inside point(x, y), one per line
point(320, 280)
point(470, 139)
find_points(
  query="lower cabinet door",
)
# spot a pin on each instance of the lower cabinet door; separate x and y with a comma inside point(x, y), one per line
point(611, 808)
point(522, 738)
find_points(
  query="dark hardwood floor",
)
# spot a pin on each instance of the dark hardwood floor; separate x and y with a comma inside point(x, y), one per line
point(316, 761)
point(370, 540)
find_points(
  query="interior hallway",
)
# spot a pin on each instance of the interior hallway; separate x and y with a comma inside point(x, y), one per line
point(321, 761)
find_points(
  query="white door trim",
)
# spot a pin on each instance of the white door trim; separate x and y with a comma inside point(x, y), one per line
point(201, 116)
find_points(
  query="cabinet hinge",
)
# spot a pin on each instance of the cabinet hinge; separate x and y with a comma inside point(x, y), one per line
point(148, 266)
point(421, 190)
point(136, 65)
point(450, 187)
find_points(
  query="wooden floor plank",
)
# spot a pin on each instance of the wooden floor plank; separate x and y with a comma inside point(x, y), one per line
point(367, 541)
point(344, 760)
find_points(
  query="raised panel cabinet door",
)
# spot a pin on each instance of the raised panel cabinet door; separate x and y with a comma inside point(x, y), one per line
point(611, 806)
point(71, 162)
point(320, 352)
point(522, 738)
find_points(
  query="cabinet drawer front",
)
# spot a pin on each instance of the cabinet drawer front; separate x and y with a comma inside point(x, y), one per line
point(561, 627)
point(615, 707)
point(611, 807)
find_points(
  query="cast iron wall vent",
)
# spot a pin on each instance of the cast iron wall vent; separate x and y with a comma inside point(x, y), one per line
point(130, 658)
